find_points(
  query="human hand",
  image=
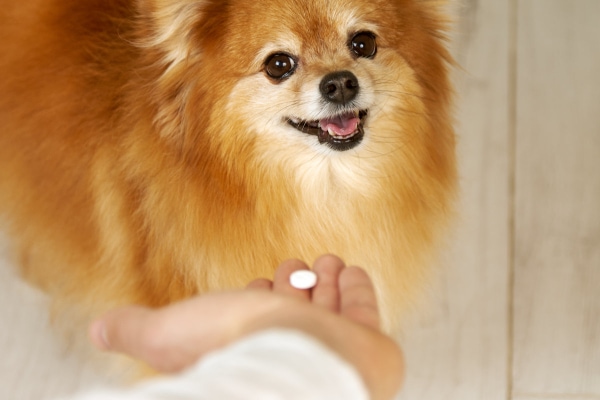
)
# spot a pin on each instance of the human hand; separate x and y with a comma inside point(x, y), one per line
point(340, 311)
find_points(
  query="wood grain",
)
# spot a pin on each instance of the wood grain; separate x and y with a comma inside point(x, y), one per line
point(557, 237)
point(557, 397)
point(35, 364)
point(459, 349)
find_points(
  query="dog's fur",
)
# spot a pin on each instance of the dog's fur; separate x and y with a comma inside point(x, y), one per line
point(146, 156)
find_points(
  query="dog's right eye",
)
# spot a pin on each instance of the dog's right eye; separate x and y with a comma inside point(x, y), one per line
point(280, 66)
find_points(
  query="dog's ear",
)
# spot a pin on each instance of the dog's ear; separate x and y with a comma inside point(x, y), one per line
point(169, 25)
point(167, 30)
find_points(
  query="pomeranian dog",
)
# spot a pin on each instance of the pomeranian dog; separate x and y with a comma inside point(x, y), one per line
point(151, 150)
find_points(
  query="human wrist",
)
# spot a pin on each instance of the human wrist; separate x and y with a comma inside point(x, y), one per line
point(376, 357)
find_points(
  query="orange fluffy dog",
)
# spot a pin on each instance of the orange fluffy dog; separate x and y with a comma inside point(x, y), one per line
point(155, 149)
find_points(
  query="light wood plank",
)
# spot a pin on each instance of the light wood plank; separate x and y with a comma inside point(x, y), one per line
point(557, 242)
point(557, 397)
point(458, 351)
point(34, 365)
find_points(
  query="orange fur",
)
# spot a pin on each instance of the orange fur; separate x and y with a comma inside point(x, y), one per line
point(144, 156)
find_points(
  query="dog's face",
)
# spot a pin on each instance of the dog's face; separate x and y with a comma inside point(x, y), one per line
point(312, 80)
point(316, 78)
point(322, 74)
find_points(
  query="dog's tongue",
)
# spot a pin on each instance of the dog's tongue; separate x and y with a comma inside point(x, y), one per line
point(342, 125)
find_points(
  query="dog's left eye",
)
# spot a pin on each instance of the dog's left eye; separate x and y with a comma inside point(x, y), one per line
point(363, 44)
point(280, 66)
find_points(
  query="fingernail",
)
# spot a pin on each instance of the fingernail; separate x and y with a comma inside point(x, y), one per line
point(98, 335)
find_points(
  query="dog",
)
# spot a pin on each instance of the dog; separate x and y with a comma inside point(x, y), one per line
point(152, 150)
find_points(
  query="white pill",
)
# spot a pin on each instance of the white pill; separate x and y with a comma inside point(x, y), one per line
point(303, 279)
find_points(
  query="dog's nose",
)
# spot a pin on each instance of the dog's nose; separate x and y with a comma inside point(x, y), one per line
point(339, 87)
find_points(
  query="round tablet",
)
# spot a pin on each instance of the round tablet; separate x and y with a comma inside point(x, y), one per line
point(303, 279)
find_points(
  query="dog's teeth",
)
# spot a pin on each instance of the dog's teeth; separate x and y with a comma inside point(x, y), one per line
point(331, 133)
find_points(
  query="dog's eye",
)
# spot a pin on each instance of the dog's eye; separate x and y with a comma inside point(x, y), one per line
point(280, 65)
point(363, 44)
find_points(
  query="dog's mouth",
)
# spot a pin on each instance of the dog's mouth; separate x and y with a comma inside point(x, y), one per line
point(340, 132)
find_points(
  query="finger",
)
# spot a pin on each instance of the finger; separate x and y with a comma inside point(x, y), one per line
point(158, 337)
point(281, 281)
point(326, 293)
point(358, 301)
point(261, 284)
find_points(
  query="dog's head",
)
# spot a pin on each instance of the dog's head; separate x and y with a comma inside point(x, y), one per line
point(303, 79)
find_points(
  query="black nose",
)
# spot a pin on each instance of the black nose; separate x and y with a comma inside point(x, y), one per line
point(339, 87)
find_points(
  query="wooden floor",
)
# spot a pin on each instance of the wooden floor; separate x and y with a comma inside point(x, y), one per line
point(515, 312)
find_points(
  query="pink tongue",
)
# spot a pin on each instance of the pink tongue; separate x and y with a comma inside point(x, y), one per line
point(342, 125)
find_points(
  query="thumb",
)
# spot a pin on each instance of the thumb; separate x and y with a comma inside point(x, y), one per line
point(121, 330)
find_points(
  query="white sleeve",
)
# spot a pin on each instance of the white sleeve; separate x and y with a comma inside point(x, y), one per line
point(275, 364)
